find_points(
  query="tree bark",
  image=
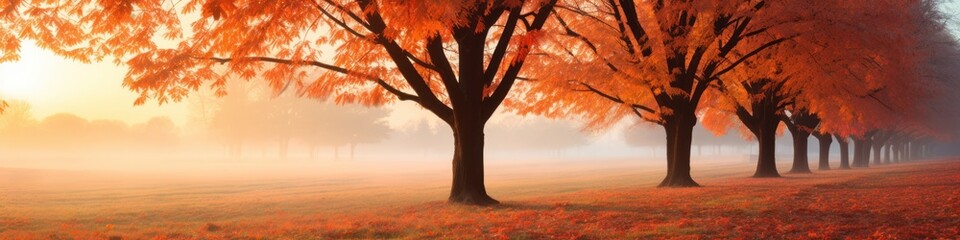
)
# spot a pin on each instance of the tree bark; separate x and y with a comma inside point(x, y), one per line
point(801, 124)
point(767, 161)
point(844, 151)
point(763, 118)
point(896, 152)
point(907, 155)
point(679, 130)
point(877, 148)
point(825, 141)
point(886, 153)
point(861, 152)
point(800, 156)
point(468, 177)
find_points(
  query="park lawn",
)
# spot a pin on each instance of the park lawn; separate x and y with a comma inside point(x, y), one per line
point(899, 201)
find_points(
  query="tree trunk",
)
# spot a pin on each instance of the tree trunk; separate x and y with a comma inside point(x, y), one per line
point(468, 183)
point(825, 141)
point(877, 148)
point(800, 159)
point(904, 151)
point(767, 158)
point(844, 152)
point(896, 152)
point(923, 151)
point(908, 155)
point(886, 153)
point(679, 132)
point(861, 152)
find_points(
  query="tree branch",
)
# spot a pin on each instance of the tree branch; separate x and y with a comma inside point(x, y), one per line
point(612, 98)
point(751, 54)
point(500, 51)
point(395, 91)
point(449, 78)
point(491, 103)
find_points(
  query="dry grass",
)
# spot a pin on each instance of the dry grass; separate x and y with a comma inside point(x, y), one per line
point(575, 200)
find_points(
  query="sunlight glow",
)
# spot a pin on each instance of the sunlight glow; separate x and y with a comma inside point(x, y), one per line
point(25, 79)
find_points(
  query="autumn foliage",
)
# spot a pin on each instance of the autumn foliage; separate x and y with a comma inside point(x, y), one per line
point(875, 72)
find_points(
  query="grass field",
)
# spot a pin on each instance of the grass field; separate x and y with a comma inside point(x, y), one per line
point(566, 200)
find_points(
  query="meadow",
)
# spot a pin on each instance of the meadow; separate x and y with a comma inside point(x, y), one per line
point(541, 200)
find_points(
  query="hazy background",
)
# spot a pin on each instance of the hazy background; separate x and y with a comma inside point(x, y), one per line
point(67, 114)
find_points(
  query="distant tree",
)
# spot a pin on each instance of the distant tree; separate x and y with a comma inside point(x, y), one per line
point(640, 136)
point(237, 119)
point(423, 137)
point(825, 140)
point(323, 123)
point(843, 142)
point(64, 130)
point(536, 134)
point(759, 107)
point(113, 133)
point(17, 124)
point(17, 118)
point(157, 132)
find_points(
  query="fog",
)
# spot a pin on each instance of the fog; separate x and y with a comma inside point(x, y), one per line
point(256, 130)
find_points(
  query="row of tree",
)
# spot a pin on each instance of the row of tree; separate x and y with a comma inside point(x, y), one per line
point(865, 69)
point(251, 120)
point(69, 133)
point(252, 114)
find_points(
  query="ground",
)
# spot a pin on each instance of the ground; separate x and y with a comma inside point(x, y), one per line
point(617, 200)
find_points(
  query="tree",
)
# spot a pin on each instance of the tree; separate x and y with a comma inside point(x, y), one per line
point(825, 140)
point(844, 151)
point(801, 124)
point(64, 130)
point(460, 59)
point(761, 115)
point(16, 118)
point(324, 123)
point(113, 133)
point(537, 134)
point(17, 124)
point(157, 132)
point(239, 117)
point(651, 59)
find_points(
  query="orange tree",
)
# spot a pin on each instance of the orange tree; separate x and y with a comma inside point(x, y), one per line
point(456, 59)
point(791, 83)
point(650, 59)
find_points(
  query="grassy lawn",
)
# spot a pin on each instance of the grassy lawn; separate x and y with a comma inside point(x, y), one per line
point(908, 200)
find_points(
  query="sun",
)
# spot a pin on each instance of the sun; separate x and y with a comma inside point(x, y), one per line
point(18, 88)
point(26, 78)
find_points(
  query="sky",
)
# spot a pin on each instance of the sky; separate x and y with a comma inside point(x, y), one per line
point(52, 85)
